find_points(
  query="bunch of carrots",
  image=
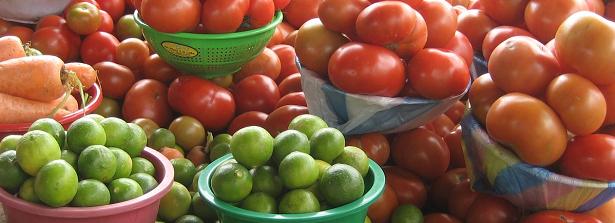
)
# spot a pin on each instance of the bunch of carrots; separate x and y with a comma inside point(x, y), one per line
point(34, 86)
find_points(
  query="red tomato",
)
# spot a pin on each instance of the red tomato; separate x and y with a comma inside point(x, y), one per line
point(438, 73)
point(460, 44)
point(287, 56)
point(590, 157)
point(49, 20)
point(278, 119)
point(414, 42)
point(132, 52)
point(522, 64)
point(498, 34)
point(171, 16)
point(441, 188)
point(115, 79)
point(256, 93)
point(587, 48)
point(292, 83)
point(515, 119)
point(555, 216)
point(298, 12)
point(505, 12)
point(341, 15)
point(374, 144)
point(605, 212)
point(573, 96)
point(147, 98)
point(93, 2)
point(259, 14)
point(155, 67)
point(249, 118)
point(456, 111)
point(50, 41)
point(562, 66)
point(608, 91)
point(315, 43)
point(115, 8)
point(440, 218)
point(421, 151)
point(98, 47)
point(22, 32)
point(596, 6)
point(453, 141)
point(483, 92)
point(489, 208)
point(408, 187)
point(211, 104)
point(461, 198)
point(385, 22)
point(230, 12)
point(374, 70)
point(126, 27)
point(382, 209)
point(537, 12)
point(443, 125)
point(83, 18)
point(267, 63)
point(292, 98)
point(106, 23)
point(440, 18)
point(74, 40)
point(5, 25)
point(475, 24)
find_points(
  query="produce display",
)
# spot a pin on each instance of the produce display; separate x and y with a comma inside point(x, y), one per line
point(543, 98)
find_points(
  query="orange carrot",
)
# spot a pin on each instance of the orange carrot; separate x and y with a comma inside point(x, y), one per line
point(86, 74)
point(40, 78)
point(20, 110)
point(12, 47)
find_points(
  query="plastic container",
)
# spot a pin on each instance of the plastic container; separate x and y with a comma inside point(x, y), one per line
point(142, 209)
point(357, 114)
point(96, 98)
point(30, 11)
point(496, 170)
point(353, 212)
point(209, 55)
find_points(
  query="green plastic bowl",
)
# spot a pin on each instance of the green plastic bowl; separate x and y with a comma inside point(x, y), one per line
point(352, 212)
point(209, 55)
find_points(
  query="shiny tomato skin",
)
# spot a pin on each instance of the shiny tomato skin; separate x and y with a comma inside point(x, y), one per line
point(249, 118)
point(98, 47)
point(382, 209)
point(171, 16)
point(515, 119)
point(475, 24)
point(385, 22)
point(522, 64)
point(498, 34)
point(132, 52)
point(256, 93)
point(278, 119)
point(83, 18)
point(460, 44)
point(155, 67)
point(115, 8)
point(456, 111)
point(231, 12)
point(288, 64)
point(505, 12)
point(443, 125)
point(266, 63)
point(106, 24)
point(147, 98)
point(409, 188)
point(373, 69)
point(260, 13)
point(556, 11)
point(315, 43)
point(341, 15)
point(292, 98)
point(51, 41)
point(115, 79)
point(421, 151)
point(573, 96)
point(292, 83)
point(608, 91)
point(440, 18)
point(441, 188)
point(437, 73)
point(211, 104)
point(590, 157)
point(453, 141)
point(374, 144)
point(584, 42)
point(298, 12)
point(489, 208)
point(555, 216)
point(483, 92)
point(461, 198)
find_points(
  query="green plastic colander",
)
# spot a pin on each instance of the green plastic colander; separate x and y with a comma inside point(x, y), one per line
point(209, 55)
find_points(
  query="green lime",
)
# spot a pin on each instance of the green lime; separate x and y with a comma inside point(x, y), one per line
point(298, 170)
point(195, 181)
point(288, 141)
point(117, 132)
point(160, 138)
point(142, 165)
point(9, 142)
point(137, 142)
point(266, 179)
point(51, 126)
point(184, 171)
point(307, 123)
point(85, 132)
point(260, 202)
point(146, 181)
point(202, 209)
point(91, 193)
point(124, 189)
point(35, 149)
point(252, 146)
point(56, 183)
point(407, 213)
point(70, 157)
point(298, 201)
point(26, 191)
point(123, 161)
point(219, 150)
point(231, 182)
point(341, 184)
point(96, 117)
point(355, 157)
point(188, 218)
point(327, 143)
point(175, 203)
point(12, 175)
point(97, 162)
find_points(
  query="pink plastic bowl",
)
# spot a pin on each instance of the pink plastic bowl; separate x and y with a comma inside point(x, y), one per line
point(19, 129)
point(142, 209)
